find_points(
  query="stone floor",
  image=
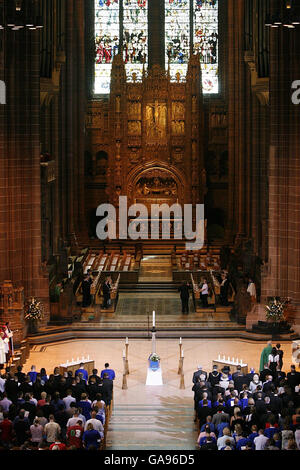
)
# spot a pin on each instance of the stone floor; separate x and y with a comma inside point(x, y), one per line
point(148, 417)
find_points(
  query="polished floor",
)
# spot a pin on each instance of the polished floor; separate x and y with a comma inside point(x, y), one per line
point(151, 417)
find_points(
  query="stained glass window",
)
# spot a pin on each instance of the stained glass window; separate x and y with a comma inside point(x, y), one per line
point(135, 36)
point(177, 36)
point(205, 28)
point(185, 21)
point(107, 34)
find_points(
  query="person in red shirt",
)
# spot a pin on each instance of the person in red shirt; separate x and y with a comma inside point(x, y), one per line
point(6, 431)
point(58, 446)
point(74, 435)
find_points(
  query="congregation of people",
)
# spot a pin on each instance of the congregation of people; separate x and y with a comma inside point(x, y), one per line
point(249, 411)
point(54, 412)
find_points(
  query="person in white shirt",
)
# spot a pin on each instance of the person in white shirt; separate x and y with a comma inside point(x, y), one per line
point(260, 441)
point(204, 293)
point(252, 290)
point(254, 383)
point(2, 384)
point(96, 424)
point(221, 442)
point(68, 400)
point(76, 417)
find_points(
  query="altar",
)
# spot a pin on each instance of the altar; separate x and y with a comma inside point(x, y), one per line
point(72, 366)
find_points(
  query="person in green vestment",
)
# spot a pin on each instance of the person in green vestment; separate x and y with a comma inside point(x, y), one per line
point(264, 358)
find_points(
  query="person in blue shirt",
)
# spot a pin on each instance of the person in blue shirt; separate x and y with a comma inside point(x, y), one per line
point(242, 443)
point(223, 424)
point(32, 374)
point(206, 401)
point(110, 372)
point(253, 433)
point(86, 406)
point(82, 371)
point(91, 437)
point(208, 423)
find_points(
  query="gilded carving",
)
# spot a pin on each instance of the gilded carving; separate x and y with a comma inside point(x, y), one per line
point(156, 187)
point(134, 128)
point(155, 122)
point(178, 127)
point(178, 111)
point(134, 110)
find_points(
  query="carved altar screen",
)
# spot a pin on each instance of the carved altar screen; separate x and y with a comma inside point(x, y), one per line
point(135, 37)
point(177, 36)
point(107, 36)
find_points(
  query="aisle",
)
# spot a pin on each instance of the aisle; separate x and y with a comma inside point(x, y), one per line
point(167, 425)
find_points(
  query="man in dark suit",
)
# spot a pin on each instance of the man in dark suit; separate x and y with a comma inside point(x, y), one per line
point(106, 293)
point(198, 373)
point(95, 376)
point(106, 389)
point(86, 290)
point(293, 378)
point(184, 290)
point(239, 381)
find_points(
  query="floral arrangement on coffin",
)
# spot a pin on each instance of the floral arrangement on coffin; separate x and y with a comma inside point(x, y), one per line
point(154, 357)
point(275, 310)
point(33, 310)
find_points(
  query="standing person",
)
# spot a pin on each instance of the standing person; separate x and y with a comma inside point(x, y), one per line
point(204, 293)
point(91, 437)
point(2, 350)
point(86, 290)
point(280, 354)
point(83, 371)
point(224, 290)
point(52, 430)
point(106, 288)
point(10, 344)
point(273, 362)
point(251, 289)
point(107, 389)
point(264, 358)
point(74, 435)
point(184, 290)
point(110, 372)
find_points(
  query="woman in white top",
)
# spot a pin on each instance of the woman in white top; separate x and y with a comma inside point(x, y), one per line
point(254, 383)
point(273, 360)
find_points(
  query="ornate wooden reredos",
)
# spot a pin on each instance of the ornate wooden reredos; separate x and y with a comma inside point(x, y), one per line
point(155, 126)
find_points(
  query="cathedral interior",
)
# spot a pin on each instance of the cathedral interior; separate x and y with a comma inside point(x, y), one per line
point(165, 102)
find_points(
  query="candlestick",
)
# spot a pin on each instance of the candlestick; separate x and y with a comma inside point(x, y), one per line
point(219, 357)
point(153, 318)
point(88, 358)
point(224, 358)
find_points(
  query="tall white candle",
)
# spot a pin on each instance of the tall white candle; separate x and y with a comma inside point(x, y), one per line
point(126, 340)
point(124, 355)
point(219, 357)
point(153, 317)
point(182, 354)
point(180, 340)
